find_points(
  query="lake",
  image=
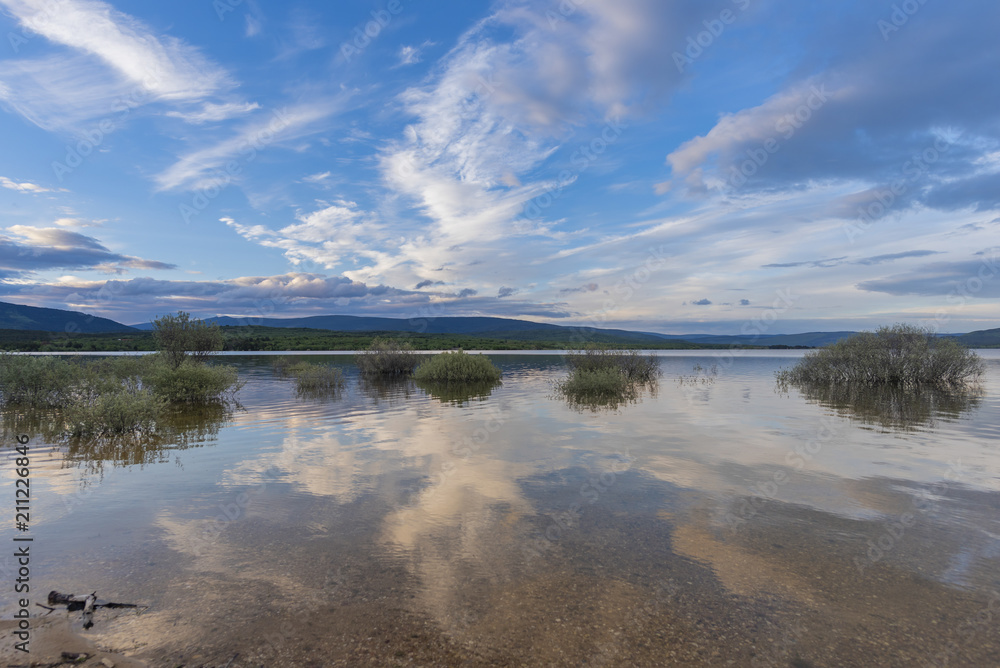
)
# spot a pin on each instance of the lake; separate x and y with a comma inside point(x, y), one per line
point(715, 521)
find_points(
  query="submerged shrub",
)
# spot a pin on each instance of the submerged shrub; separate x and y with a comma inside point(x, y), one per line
point(600, 389)
point(123, 412)
point(602, 377)
point(315, 377)
point(108, 396)
point(458, 367)
point(630, 363)
point(898, 356)
point(600, 383)
point(387, 358)
point(280, 365)
point(40, 382)
point(193, 382)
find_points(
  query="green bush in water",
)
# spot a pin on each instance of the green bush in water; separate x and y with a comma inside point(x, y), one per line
point(38, 382)
point(634, 366)
point(193, 382)
point(898, 356)
point(106, 396)
point(387, 358)
point(457, 367)
point(316, 377)
point(123, 412)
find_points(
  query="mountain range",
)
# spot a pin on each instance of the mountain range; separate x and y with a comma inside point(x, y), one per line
point(20, 317)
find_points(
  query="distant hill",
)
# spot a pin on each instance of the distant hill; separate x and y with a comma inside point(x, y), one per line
point(494, 328)
point(984, 338)
point(17, 316)
point(812, 339)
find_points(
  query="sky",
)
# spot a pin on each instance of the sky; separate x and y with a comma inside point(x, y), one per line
point(675, 166)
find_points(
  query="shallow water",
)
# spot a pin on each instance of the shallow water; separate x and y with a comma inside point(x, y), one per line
point(717, 521)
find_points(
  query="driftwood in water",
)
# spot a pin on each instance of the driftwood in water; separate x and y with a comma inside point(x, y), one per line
point(87, 603)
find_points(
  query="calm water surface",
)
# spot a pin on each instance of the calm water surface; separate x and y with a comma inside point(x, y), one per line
point(717, 521)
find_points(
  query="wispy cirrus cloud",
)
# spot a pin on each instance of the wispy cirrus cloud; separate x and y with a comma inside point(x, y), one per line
point(836, 261)
point(112, 56)
point(211, 112)
point(196, 167)
point(169, 68)
point(508, 96)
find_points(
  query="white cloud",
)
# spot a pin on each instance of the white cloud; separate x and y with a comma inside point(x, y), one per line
point(167, 67)
point(117, 64)
point(773, 121)
point(211, 112)
point(411, 55)
point(78, 222)
point(192, 170)
point(23, 187)
point(318, 178)
point(64, 93)
point(499, 106)
point(327, 237)
point(253, 26)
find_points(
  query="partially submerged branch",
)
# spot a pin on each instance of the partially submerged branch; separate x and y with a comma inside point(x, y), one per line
point(87, 603)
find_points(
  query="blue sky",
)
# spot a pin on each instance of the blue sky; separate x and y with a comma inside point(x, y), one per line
point(676, 166)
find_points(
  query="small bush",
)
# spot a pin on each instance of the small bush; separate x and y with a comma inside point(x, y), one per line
point(598, 389)
point(387, 358)
point(40, 382)
point(194, 382)
point(121, 412)
point(632, 365)
point(458, 367)
point(105, 397)
point(316, 378)
point(596, 383)
point(602, 377)
point(899, 356)
point(280, 365)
